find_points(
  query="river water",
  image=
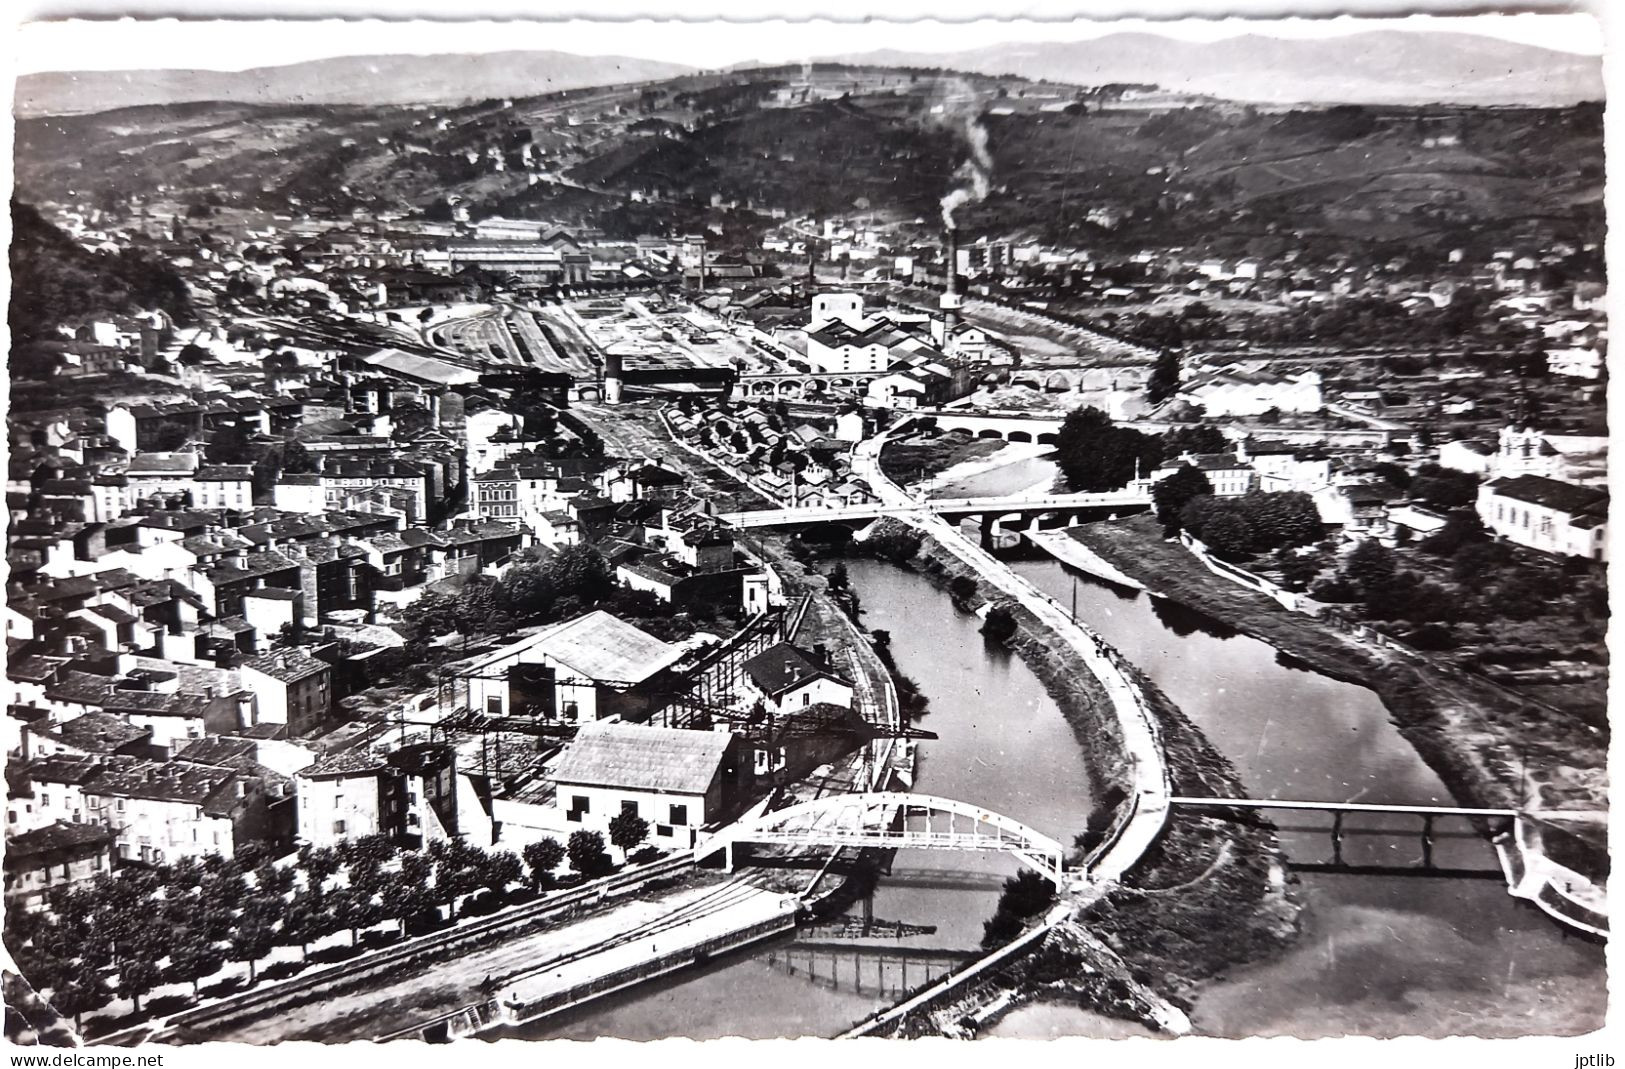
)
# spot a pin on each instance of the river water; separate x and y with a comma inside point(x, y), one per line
point(1002, 743)
point(1378, 955)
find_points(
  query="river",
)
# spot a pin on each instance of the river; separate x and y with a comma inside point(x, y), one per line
point(1002, 743)
point(1378, 955)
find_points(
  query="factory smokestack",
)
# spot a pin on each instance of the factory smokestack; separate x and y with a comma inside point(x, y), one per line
point(950, 302)
point(613, 383)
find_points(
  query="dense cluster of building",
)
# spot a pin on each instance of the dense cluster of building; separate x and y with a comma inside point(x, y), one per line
point(204, 573)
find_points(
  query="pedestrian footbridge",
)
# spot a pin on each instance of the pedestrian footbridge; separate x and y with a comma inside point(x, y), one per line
point(890, 819)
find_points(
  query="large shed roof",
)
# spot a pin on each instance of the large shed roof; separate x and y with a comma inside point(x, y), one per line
point(634, 757)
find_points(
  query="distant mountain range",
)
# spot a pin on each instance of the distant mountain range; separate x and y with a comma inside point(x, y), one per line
point(398, 79)
point(1387, 66)
point(1377, 67)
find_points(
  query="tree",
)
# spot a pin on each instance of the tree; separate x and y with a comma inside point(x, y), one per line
point(231, 444)
point(193, 958)
point(1284, 519)
point(406, 896)
point(1475, 561)
point(1170, 495)
point(302, 923)
point(345, 906)
point(137, 976)
point(1164, 380)
point(83, 992)
point(838, 578)
point(1200, 438)
point(270, 879)
point(456, 876)
point(1094, 455)
point(627, 830)
point(168, 436)
point(214, 921)
point(500, 869)
point(297, 460)
point(1000, 624)
point(1443, 487)
point(587, 854)
point(1461, 527)
point(320, 864)
point(1298, 570)
point(372, 850)
point(1223, 527)
point(1369, 565)
point(250, 942)
point(542, 857)
point(962, 588)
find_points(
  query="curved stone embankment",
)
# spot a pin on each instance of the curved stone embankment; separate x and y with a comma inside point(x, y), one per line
point(1179, 900)
point(1218, 888)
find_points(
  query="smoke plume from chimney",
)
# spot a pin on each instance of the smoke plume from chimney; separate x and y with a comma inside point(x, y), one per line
point(975, 174)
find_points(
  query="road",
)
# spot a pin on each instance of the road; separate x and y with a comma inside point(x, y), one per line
point(1141, 745)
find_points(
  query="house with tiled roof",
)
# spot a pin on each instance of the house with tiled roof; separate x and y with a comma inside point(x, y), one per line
point(290, 687)
point(584, 669)
point(223, 486)
point(61, 854)
point(95, 734)
point(48, 789)
point(677, 780)
point(161, 812)
point(1229, 474)
point(1548, 515)
point(787, 678)
point(412, 795)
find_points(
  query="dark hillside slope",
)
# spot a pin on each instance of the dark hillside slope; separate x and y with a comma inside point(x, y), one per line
point(824, 157)
point(56, 281)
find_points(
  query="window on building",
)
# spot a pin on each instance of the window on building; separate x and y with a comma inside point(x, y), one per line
point(629, 806)
point(338, 827)
point(493, 703)
point(679, 814)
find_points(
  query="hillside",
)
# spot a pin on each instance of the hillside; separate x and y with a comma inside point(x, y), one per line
point(727, 150)
point(373, 80)
point(1380, 67)
point(56, 281)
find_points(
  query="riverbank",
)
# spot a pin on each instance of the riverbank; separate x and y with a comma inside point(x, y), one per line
point(1211, 893)
point(1476, 737)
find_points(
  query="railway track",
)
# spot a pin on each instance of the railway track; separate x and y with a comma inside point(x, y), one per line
point(317, 983)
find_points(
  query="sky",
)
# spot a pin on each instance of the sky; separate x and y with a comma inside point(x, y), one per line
point(227, 45)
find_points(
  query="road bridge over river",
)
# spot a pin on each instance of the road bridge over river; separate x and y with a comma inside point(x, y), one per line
point(1530, 874)
point(890, 820)
point(1028, 512)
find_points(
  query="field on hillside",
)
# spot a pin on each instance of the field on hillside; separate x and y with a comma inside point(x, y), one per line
point(1226, 177)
